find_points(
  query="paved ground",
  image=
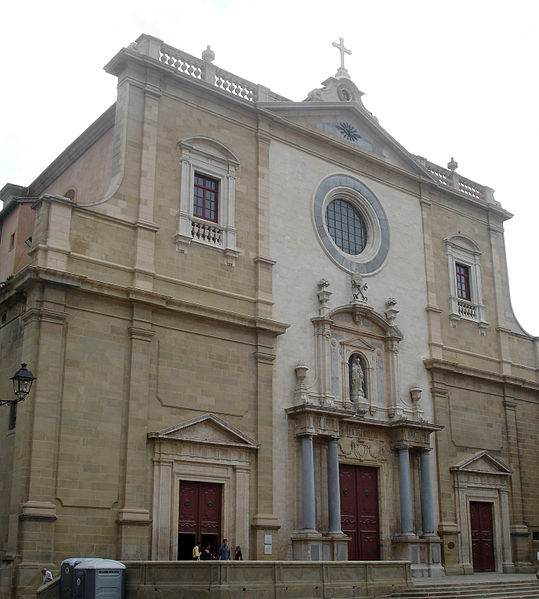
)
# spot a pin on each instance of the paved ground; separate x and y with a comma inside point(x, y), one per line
point(470, 578)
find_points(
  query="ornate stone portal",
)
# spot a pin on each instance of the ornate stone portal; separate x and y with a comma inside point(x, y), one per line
point(349, 412)
point(203, 449)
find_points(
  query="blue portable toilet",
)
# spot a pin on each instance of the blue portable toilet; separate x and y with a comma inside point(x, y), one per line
point(67, 577)
point(99, 579)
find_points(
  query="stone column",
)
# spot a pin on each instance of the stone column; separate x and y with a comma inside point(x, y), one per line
point(407, 520)
point(427, 508)
point(334, 499)
point(307, 476)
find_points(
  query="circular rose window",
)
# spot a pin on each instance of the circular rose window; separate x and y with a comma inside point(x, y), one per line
point(346, 227)
point(351, 224)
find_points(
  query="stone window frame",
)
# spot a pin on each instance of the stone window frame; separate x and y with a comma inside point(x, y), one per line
point(207, 157)
point(463, 250)
point(350, 189)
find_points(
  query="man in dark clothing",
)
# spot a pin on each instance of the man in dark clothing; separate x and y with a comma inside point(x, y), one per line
point(224, 550)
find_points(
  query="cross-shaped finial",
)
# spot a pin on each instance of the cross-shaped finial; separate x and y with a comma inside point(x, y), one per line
point(343, 51)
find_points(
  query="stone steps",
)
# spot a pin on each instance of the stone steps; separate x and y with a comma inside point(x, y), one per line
point(521, 589)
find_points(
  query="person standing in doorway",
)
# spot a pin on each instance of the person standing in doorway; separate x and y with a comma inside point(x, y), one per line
point(237, 553)
point(224, 551)
point(196, 551)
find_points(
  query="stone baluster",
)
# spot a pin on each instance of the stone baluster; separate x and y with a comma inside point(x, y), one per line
point(308, 490)
point(334, 494)
point(427, 507)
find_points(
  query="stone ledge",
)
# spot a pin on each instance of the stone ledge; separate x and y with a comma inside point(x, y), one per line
point(265, 579)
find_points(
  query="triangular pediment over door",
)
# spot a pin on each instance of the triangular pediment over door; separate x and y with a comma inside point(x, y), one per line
point(482, 462)
point(206, 429)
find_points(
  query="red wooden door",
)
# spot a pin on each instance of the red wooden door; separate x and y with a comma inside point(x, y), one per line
point(359, 511)
point(482, 536)
point(199, 516)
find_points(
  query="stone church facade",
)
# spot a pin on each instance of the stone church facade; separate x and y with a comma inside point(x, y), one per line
point(263, 320)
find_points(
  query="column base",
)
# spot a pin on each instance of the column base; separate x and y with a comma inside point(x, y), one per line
point(266, 528)
point(335, 546)
point(133, 526)
point(423, 552)
point(307, 545)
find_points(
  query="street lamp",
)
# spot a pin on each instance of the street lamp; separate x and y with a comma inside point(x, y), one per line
point(22, 383)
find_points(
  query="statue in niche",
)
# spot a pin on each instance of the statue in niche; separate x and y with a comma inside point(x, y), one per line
point(357, 378)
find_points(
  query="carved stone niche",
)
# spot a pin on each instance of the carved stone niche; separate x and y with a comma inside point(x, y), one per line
point(350, 334)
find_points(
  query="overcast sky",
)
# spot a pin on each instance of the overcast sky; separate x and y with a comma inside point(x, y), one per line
point(444, 78)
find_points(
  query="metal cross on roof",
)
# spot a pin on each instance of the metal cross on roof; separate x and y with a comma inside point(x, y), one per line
point(342, 50)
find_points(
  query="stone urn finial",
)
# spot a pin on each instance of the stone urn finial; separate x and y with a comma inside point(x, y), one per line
point(392, 310)
point(452, 165)
point(300, 392)
point(208, 55)
point(323, 297)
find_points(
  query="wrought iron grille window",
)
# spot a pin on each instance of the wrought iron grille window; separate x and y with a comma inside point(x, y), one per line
point(206, 198)
point(346, 227)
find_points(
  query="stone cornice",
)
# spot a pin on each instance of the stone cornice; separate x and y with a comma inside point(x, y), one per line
point(456, 368)
point(35, 275)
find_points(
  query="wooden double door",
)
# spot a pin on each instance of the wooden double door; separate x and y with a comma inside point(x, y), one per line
point(359, 511)
point(482, 536)
point(199, 516)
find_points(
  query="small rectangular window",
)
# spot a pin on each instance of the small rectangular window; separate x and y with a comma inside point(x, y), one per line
point(463, 281)
point(12, 242)
point(206, 198)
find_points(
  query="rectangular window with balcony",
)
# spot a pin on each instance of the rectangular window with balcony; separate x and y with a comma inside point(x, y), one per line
point(463, 281)
point(206, 198)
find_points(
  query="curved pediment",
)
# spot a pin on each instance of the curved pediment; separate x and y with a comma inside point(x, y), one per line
point(361, 316)
point(210, 147)
point(463, 242)
point(206, 429)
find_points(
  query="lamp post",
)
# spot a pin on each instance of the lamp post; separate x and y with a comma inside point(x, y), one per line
point(22, 383)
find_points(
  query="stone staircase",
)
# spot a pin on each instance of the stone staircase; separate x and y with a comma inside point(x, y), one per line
point(514, 589)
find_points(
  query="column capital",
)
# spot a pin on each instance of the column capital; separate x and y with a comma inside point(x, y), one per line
point(401, 446)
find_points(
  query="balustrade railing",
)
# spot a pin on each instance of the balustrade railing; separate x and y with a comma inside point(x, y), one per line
point(182, 62)
point(208, 233)
point(467, 310)
point(443, 175)
point(452, 179)
point(205, 70)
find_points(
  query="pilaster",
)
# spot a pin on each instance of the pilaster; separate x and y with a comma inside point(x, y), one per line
point(52, 246)
point(145, 229)
point(433, 310)
point(33, 497)
point(134, 517)
point(264, 522)
point(263, 262)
